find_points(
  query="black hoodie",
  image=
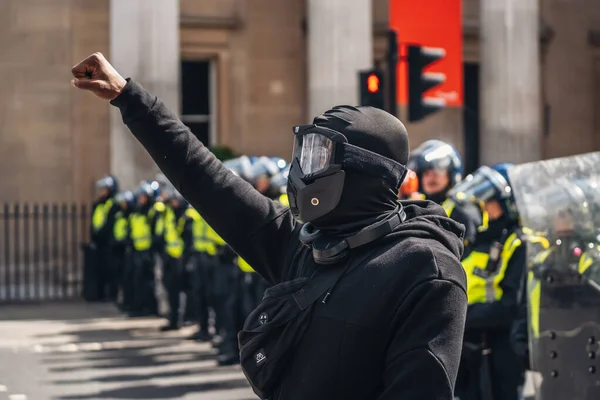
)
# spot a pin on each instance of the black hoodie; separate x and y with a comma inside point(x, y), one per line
point(393, 326)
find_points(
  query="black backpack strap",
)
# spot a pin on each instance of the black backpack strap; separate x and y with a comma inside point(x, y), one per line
point(323, 280)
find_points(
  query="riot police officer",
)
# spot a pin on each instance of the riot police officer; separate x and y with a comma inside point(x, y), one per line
point(489, 368)
point(173, 274)
point(142, 259)
point(562, 198)
point(120, 248)
point(103, 211)
point(438, 168)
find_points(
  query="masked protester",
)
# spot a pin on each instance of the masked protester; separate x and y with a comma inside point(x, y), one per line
point(369, 295)
point(438, 168)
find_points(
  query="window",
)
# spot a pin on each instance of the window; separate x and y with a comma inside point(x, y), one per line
point(197, 110)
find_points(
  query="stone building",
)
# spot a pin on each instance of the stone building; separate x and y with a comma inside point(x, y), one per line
point(244, 71)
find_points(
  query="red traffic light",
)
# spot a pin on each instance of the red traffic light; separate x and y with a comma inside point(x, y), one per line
point(373, 83)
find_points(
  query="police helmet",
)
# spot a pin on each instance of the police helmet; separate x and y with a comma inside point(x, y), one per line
point(156, 188)
point(146, 189)
point(485, 184)
point(280, 162)
point(264, 166)
point(436, 155)
point(240, 165)
point(109, 182)
point(576, 201)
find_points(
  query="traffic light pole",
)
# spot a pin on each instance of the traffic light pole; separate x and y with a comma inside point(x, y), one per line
point(392, 68)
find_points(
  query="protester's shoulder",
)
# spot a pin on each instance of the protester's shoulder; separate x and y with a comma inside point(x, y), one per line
point(428, 259)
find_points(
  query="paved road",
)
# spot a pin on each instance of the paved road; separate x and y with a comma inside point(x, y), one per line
point(77, 351)
point(89, 351)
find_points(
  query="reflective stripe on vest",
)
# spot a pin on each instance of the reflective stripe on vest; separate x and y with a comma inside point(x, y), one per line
point(100, 214)
point(448, 206)
point(488, 290)
point(120, 228)
point(173, 242)
point(243, 265)
point(140, 234)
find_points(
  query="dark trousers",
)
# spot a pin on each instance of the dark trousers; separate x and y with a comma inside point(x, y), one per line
point(201, 268)
point(173, 281)
point(103, 274)
point(230, 312)
point(500, 371)
point(128, 281)
point(118, 263)
point(144, 287)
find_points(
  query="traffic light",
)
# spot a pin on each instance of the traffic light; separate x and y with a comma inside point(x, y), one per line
point(419, 82)
point(371, 88)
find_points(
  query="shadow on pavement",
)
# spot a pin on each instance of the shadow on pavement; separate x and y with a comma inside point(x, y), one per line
point(70, 311)
point(117, 358)
point(161, 392)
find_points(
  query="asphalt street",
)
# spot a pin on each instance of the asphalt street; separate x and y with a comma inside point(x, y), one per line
point(69, 351)
point(89, 351)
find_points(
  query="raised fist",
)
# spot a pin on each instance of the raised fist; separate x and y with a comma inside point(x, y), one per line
point(99, 77)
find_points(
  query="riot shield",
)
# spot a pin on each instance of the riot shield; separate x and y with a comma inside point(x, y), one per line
point(559, 206)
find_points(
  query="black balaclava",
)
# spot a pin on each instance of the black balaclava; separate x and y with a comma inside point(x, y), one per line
point(365, 198)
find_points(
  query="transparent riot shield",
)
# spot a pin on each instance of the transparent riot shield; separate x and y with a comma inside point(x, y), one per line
point(559, 205)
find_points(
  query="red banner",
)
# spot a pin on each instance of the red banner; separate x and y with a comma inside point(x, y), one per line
point(431, 23)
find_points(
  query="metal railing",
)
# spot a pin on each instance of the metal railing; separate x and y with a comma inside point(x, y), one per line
point(41, 256)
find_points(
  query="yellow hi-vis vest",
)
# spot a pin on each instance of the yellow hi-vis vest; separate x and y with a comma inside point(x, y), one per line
point(100, 214)
point(535, 289)
point(243, 265)
point(140, 231)
point(173, 241)
point(488, 290)
point(283, 200)
point(206, 240)
point(448, 205)
point(120, 227)
point(158, 210)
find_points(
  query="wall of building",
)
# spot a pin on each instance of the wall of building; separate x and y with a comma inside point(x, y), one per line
point(258, 47)
point(53, 139)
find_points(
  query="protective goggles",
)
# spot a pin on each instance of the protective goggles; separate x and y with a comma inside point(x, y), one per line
point(320, 151)
point(485, 184)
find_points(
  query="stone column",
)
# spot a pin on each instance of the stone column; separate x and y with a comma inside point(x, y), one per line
point(144, 45)
point(340, 43)
point(510, 118)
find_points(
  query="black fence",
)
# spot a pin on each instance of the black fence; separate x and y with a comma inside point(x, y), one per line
point(41, 255)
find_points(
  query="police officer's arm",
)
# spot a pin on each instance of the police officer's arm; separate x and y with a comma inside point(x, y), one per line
point(466, 216)
point(501, 313)
point(255, 226)
point(427, 344)
point(519, 337)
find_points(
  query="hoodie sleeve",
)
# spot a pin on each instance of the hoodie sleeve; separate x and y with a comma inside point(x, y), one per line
point(501, 313)
point(428, 345)
point(256, 227)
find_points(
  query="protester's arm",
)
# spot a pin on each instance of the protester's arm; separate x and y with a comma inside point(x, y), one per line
point(253, 225)
point(429, 344)
point(501, 313)
point(429, 328)
point(256, 227)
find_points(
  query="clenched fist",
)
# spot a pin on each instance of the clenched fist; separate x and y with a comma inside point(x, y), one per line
point(99, 77)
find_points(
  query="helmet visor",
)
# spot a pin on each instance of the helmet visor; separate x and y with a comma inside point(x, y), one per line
point(483, 185)
point(313, 152)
